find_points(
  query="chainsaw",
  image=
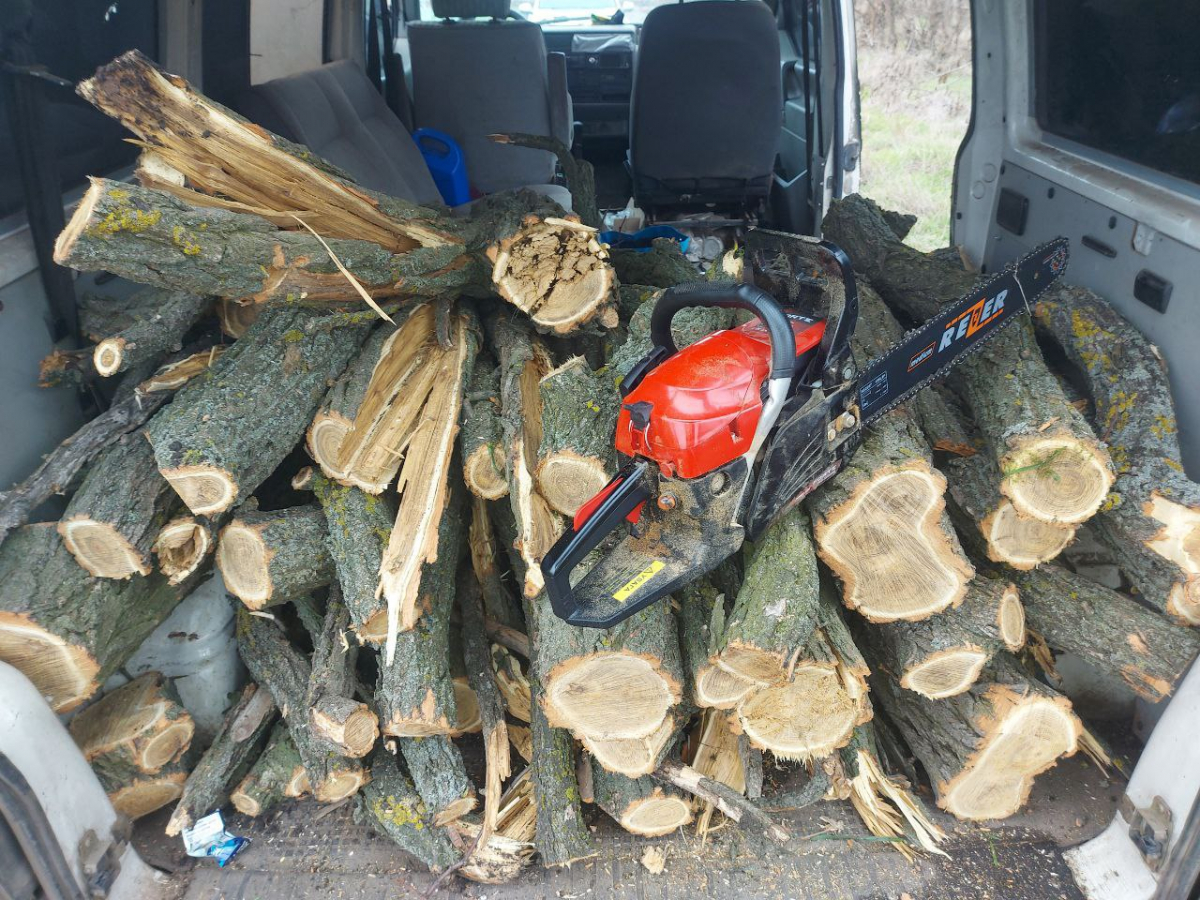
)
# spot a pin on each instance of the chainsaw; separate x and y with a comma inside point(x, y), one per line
point(728, 434)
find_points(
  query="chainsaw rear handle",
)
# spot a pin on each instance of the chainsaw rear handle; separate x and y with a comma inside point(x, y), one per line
point(736, 296)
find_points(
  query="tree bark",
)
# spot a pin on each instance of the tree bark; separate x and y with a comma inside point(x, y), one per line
point(268, 558)
point(415, 695)
point(481, 438)
point(1051, 464)
point(640, 805)
point(440, 777)
point(68, 632)
point(137, 794)
point(501, 608)
point(114, 518)
point(401, 815)
point(277, 775)
point(662, 266)
point(561, 836)
point(576, 456)
point(701, 635)
point(1109, 630)
point(277, 665)
point(227, 758)
point(159, 322)
point(983, 748)
point(944, 655)
point(346, 725)
point(226, 432)
point(1151, 520)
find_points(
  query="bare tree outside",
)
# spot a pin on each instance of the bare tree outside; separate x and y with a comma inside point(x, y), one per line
point(914, 64)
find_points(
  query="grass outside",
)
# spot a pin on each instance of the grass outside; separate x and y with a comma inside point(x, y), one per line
point(914, 116)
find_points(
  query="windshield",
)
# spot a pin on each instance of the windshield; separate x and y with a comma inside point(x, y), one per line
point(545, 12)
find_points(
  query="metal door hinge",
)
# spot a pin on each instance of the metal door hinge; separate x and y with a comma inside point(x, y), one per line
point(1149, 829)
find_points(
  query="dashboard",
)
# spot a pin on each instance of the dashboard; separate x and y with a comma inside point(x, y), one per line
point(599, 75)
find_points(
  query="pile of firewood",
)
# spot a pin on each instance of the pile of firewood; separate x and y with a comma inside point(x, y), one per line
point(373, 417)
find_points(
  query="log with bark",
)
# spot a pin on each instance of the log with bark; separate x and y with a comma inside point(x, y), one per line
point(701, 637)
point(268, 558)
point(347, 725)
point(983, 748)
point(277, 775)
point(234, 749)
point(115, 516)
point(136, 739)
point(501, 609)
point(944, 655)
point(399, 812)
point(157, 323)
point(481, 438)
point(641, 806)
point(440, 777)
point(225, 433)
point(561, 836)
point(520, 245)
point(67, 631)
point(1052, 466)
point(279, 667)
point(1108, 630)
point(1151, 521)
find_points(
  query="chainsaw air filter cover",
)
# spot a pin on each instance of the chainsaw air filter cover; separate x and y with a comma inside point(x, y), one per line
point(701, 408)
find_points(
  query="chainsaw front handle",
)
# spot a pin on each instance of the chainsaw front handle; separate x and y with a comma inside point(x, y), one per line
point(735, 296)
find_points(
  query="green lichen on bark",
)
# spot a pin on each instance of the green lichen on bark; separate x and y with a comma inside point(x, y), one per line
point(398, 811)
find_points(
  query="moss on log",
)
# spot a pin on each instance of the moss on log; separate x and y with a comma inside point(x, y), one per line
point(112, 521)
point(66, 631)
point(1151, 519)
point(227, 431)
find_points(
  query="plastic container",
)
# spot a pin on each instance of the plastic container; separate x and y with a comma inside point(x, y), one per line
point(639, 241)
point(444, 158)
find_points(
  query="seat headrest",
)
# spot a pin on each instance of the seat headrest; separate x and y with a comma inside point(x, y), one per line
point(471, 9)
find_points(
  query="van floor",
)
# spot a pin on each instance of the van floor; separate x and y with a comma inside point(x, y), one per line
point(300, 851)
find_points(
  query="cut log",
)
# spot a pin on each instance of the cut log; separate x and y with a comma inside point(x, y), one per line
point(370, 414)
point(816, 710)
point(576, 456)
point(277, 665)
point(359, 526)
point(886, 807)
point(158, 326)
point(182, 546)
point(440, 777)
point(519, 245)
point(1051, 464)
point(136, 794)
point(66, 631)
point(227, 759)
point(561, 837)
point(268, 558)
point(641, 806)
point(136, 729)
point(348, 726)
point(635, 757)
point(983, 748)
point(1151, 521)
point(276, 775)
point(578, 173)
point(662, 266)
point(943, 656)
point(776, 610)
point(424, 489)
point(415, 694)
point(225, 433)
point(688, 326)
point(114, 518)
point(482, 439)
point(1108, 630)
point(701, 634)
point(397, 808)
point(507, 850)
point(524, 361)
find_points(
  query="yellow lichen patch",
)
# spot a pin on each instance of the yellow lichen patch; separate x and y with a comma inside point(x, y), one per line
point(184, 241)
point(124, 218)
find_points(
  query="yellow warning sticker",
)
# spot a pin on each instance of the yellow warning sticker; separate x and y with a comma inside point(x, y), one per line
point(645, 575)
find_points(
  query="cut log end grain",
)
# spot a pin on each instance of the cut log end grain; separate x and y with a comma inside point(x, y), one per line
point(1058, 479)
point(483, 471)
point(148, 794)
point(267, 558)
point(554, 270)
point(1025, 736)
point(568, 480)
point(655, 814)
point(946, 673)
point(1011, 619)
point(887, 544)
point(632, 757)
point(807, 718)
point(610, 696)
point(108, 356)
point(1022, 541)
point(64, 673)
point(325, 437)
point(352, 726)
point(101, 549)
point(715, 688)
point(181, 547)
point(142, 720)
point(206, 489)
point(1178, 542)
point(243, 558)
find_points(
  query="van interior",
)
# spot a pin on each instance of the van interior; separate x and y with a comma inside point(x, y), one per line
point(706, 116)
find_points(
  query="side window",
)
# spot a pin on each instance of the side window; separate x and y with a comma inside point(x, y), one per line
point(71, 38)
point(285, 37)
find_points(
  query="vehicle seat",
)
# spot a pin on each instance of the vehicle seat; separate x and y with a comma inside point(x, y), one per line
point(475, 77)
point(707, 107)
point(338, 114)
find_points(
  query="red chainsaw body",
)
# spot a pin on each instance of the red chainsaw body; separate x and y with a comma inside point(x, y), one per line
point(701, 406)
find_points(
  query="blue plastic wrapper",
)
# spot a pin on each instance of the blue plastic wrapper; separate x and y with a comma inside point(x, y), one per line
point(208, 838)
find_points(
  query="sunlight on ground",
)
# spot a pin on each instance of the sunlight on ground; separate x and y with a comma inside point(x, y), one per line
point(914, 116)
